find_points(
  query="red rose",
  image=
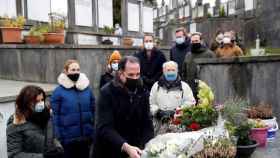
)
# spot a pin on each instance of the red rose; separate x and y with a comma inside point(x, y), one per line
point(176, 121)
point(194, 126)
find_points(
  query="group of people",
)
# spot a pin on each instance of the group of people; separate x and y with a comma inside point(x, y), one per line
point(138, 96)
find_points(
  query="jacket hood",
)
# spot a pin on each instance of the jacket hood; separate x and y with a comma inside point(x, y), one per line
point(81, 84)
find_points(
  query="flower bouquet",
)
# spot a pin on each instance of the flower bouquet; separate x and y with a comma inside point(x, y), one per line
point(200, 116)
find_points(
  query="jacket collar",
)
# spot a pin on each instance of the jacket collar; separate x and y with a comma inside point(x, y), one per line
point(81, 84)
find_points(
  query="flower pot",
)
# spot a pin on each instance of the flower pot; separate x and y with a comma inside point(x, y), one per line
point(32, 39)
point(259, 135)
point(11, 35)
point(273, 127)
point(245, 151)
point(127, 42)
point(53, 38)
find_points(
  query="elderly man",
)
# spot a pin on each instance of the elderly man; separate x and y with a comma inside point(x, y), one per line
point(167, 94)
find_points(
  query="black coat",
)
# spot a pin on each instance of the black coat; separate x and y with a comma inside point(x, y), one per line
point(25, 140)
point(105, 78)
point(120, 118)
point(190, 68)
point(178, 53)
point(151, 70)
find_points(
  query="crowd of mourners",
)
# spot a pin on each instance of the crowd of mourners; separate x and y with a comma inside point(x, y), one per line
point(138, 95)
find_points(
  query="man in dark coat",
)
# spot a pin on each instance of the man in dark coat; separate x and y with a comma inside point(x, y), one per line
point(123, 121)
point(182, 46)
point(151, 61)
point(190, 71)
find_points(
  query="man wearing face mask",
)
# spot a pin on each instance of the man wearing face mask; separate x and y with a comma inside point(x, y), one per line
point(169, 93)
point(181, 48)
point(190, 68)
point(151, 60)
point(123, 121)
point(111, 68)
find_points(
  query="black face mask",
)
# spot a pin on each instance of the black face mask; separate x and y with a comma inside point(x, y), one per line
point(195, 46)
point(40, 118)
point(131, 84)
point(74, 77)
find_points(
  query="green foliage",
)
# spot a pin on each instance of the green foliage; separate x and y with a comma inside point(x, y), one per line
point(108, 30)
point(38, 30)
point(234, 112)
point(117, 14)
point(56, 23)
point(222, 12)
point(205, 116)
point(9, 22)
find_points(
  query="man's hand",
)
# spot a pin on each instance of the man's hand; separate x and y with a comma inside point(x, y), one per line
point(132, 151)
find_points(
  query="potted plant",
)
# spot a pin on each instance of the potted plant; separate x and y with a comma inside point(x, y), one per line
point(264, 112)
point(234, 112)
point(35, 35)
point(55, 33)
point(259, 131)
point(221, 147)
point(11, 29)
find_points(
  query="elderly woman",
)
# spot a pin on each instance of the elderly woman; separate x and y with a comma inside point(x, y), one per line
point(167, 94)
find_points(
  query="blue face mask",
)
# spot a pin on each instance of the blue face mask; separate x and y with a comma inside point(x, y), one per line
point(180, 40)
point(170, 75)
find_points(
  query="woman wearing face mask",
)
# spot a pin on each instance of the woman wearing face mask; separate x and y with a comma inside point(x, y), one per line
point(229, 49)
point(112, 68)
point(167, 94)
point(25, 129)
point(72, 103)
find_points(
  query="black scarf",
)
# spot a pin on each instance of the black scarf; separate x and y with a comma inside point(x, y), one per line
point(40, 118)
point(170, 85)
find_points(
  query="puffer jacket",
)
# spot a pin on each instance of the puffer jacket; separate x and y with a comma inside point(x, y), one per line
point(163, 99)
point(73, 109)
point(229, 51)
point(24, 140)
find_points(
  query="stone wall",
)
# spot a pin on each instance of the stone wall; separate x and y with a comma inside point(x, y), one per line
point(43, 63)
point(256, 79)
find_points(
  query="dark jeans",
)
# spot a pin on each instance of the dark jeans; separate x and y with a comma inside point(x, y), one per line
point(77, 149)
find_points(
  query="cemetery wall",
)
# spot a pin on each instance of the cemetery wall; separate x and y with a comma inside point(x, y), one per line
point(43, 63)
point(256, 79)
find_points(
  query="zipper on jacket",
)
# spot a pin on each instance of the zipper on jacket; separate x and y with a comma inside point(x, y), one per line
point(80, 111)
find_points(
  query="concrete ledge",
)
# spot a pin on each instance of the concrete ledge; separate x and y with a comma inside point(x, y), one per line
point(9, 89)
point(69, 46)
point(252, 59)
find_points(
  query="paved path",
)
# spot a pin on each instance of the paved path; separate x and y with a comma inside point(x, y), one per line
point(272, 150)
point(9, 89)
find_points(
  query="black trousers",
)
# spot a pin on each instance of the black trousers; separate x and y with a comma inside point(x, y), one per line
point(77, 149)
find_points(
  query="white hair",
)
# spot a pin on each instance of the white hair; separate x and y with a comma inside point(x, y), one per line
point(170, 63)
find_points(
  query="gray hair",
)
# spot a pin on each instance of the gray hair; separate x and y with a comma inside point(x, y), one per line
point(170, 63)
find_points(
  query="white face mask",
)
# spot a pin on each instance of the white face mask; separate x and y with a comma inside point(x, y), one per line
point(115, 66)
point(180, 40)
point(149, 45)
point(40, 106)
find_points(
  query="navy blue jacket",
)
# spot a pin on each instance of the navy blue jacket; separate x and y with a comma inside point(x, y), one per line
point(73, 113)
